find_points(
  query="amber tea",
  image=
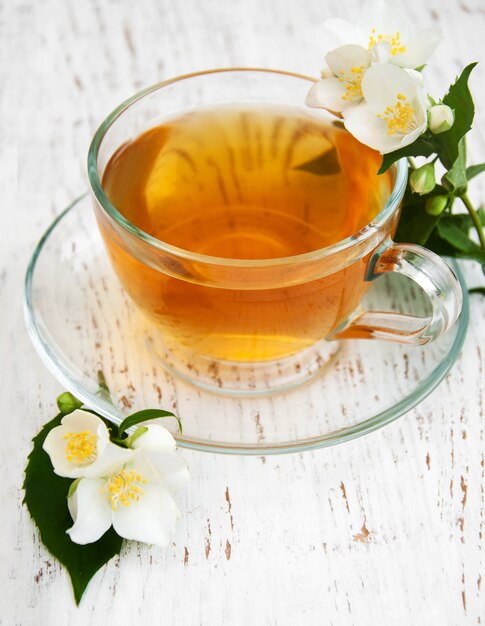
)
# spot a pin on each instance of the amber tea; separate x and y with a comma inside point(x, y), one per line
point(248, 182)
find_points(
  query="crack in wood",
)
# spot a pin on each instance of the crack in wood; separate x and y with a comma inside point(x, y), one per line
point(229, 507)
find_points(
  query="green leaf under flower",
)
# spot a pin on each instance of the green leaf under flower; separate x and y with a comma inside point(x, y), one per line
point(460, 99)
point(423, 146)
point(46, 500)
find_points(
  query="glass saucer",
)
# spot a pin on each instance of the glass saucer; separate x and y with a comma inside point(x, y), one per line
point(81, 322)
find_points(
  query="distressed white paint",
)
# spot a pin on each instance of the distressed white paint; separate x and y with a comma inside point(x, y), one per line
point(386, 529)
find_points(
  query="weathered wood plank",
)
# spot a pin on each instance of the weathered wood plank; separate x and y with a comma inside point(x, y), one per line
point(388, 529)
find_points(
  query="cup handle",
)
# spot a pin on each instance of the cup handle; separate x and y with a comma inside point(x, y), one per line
point(436, 279)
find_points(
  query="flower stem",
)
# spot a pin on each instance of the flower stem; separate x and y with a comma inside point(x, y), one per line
point(412, 163)
point(475, 219)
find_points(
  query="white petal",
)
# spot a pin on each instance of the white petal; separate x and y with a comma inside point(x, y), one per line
point(80, 420)
point(416, 76)
point(382, 83)
point(328, 94)
point(90, 510)
point(381, 86)
point(385, 16)
point(419, 48)
point(173, 470)
point(412, 136)
point(419, 103)
point(141, 464)
point(381, 52)
point(364, 125)
point(55, 443)
point(337, 32)
point(151, 519)
point(157, 438)
point(344, 58)
point(112, 458)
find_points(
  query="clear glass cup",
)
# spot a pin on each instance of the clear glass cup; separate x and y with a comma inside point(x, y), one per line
point(324, 287)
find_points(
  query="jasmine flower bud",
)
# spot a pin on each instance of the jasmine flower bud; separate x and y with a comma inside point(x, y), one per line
point(440, 118)
point(436, 204)
point(326, 72)
point(422, 179)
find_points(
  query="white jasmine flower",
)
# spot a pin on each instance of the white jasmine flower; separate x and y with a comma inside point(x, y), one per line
point(384, 30)
point(440, 118)
point(393, 113)
point(383, 36)
point(136, 498)
point(341, 86)
point(80, 446)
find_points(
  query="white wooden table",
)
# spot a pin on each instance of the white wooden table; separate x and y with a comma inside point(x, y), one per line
point(388, 529)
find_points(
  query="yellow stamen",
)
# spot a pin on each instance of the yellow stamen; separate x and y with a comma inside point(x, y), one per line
point(124, 488)
point(394, 39)
point(400, 118)
point(81, 447)
point(353, 82)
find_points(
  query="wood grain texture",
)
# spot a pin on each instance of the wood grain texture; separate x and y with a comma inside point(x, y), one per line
point(386, 529)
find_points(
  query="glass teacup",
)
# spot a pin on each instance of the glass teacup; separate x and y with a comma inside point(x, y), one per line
point(253, 325)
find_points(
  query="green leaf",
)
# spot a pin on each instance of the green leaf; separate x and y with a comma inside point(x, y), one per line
point(449, 230)
point(480, 290)
point(423, 146)
point(46, 500)
point(460, 99)
point(67, 403)
point(464, 221)
point(474, 170)
point(415, 224)
point(455, 178)
point(144, 416)
point(460, 221)
point(323, 165)
point(440, 246)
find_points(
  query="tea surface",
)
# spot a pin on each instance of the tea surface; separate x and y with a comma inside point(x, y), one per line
point(228, 182)
point(233, 182)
